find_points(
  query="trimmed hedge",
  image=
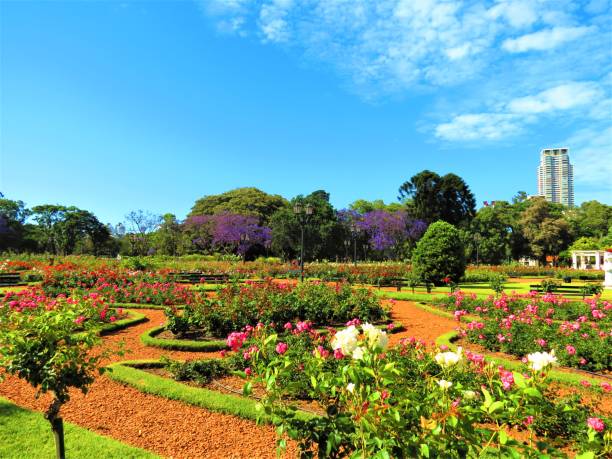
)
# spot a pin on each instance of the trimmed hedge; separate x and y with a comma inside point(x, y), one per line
point(131, 374)
point(148, 338)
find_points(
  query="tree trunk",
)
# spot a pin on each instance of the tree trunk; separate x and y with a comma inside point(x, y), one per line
point(57, 427)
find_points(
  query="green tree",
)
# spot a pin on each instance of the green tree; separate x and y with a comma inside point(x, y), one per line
point(60, 228)
point(591, 219)
point(243, 201)
point(167, 239)
point(363, 206)
point(493, 232)
point(545, 229)
point(585, 243)
point(430, 197)
point(324, 235)
point(12, 218)
point(439, 253)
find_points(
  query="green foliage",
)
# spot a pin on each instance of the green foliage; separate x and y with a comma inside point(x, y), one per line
point(200, 371)
point(404, 402)
point(243, 201)
point(496, 282)
point(323, 236)
point(237, 306)
point(439, 254)
point(430, 197)
point(545, 229)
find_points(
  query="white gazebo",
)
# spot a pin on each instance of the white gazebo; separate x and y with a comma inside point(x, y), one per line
point(588, 259)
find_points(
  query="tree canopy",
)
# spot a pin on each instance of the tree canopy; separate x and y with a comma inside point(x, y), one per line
point(243, 201)
point(431, 197)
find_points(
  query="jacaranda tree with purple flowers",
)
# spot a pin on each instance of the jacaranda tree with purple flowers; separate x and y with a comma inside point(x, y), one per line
point(388, 234)
point(226, 232)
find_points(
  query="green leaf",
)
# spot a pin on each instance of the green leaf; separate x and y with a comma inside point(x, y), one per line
point(313, 381)
point(487, 396)
point(532, 392)
point(587, 455)
point(503, 436)
point(424, 450)
point(247, 389)
point(496, 406)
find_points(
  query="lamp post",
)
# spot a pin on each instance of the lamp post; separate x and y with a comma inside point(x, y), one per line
point(477, 239)
point(354, 231)
point(303, 214)
point(244, 239)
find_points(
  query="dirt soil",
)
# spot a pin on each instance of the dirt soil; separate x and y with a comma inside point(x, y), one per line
point(169, 428)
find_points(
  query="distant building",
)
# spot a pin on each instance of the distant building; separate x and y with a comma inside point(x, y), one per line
point(556, 176)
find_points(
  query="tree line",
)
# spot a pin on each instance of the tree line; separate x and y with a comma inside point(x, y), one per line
point(249, 223)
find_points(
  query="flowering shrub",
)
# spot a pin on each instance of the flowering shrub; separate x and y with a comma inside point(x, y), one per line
point(401, 402)
point(46, 341)
point(117, 286)
point(239, 305)
point(579, 331)
point(93, 310)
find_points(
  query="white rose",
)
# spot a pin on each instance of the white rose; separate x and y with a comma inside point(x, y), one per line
point(375, 336)
point(446, 359)
point(444, 384)
point(350, 387)
point(358, 353)
point(346, 340)
point(469, 394)
point(540, 360)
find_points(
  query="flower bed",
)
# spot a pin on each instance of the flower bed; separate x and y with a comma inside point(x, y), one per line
point(580, 332)
point(117, 286)
point(410, 401)
point(238, 306)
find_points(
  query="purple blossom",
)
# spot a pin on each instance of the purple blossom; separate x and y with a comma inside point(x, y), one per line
point(227, 231)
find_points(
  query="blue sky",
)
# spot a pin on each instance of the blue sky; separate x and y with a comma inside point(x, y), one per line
point(113, 106)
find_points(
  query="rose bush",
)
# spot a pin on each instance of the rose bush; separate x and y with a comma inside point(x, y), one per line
point(579, 331)
point(239, 305)
point(402, 402)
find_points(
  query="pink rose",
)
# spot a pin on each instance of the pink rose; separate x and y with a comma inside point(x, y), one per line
point(281, 348)
point(596, 424)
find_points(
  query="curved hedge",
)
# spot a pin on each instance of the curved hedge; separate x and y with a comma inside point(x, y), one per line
point(148, 338)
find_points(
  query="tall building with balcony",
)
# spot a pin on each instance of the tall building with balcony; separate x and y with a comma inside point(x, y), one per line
point(556, 176)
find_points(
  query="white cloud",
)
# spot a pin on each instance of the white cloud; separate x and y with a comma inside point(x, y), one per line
point(272, 20)
point(510, 118)
point(561, 97)
point(479, 126)
point(591, 150)
point(545, 39)
point(518, 13)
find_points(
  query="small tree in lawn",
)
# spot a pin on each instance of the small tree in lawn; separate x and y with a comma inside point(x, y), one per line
point(47, 344)
point(439, 254)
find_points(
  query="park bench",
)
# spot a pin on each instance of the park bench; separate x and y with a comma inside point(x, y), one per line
point(567, 290)
point(196, 277)
point(10, 279)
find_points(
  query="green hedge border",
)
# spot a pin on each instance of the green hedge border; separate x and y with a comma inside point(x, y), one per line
point(148, 338)
point(130, 373)
point(133, 318)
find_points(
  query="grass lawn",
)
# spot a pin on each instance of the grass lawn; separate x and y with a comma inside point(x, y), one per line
point(481, 290)
point(25, 433)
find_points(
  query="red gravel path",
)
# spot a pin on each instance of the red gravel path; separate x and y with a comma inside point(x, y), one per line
point(166, 427)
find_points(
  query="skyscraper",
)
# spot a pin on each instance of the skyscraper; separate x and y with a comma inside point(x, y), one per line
point(556, 176)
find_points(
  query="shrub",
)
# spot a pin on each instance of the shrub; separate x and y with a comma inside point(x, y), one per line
point(241, 305)
point(439, 254)
point(46, 342)
point(405, 401)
